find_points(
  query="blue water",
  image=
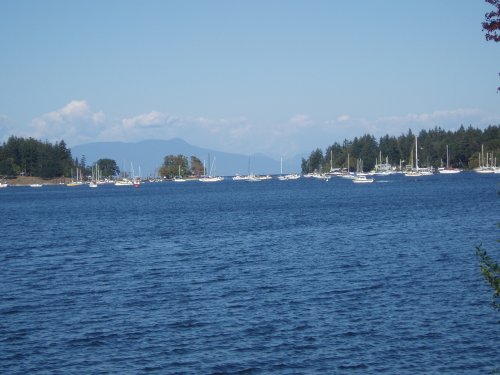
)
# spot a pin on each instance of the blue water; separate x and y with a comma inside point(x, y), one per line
point(282, 277)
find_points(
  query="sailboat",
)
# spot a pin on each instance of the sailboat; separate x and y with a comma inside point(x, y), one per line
point(179, 178)
point(128, 181)
point(78, 182)
point(360, 177)
point(484, 167)
point(210, 177)
point(448, 170)
point(95, 177)
point(347, 173)
point(414, 172)
point(291, 176)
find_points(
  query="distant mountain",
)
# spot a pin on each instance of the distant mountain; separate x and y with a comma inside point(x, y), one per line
point(149, 155)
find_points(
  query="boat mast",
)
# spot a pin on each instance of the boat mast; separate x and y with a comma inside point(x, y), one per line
point(446, 156)
point(416, 153)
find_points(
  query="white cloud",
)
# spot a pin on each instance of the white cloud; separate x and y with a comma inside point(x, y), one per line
point(434, 117)
point(147, 125)
point(343, 118)
point(75, 123)
point(153, 119)
point(301, 120)
point(346, 126)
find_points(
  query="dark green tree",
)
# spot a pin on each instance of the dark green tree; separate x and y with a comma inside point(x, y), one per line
point(314, 163)
point(491, 24)
point(7, 168)
point(172, 164)
point(35, 158)
point(366, 149)
point(464, 147)
point(196, 168)
point(108, 168)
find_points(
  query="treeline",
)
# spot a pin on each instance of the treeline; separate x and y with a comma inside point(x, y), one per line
point(30, 157)
point(178, 165)
point(21, 156)
point(464, 146)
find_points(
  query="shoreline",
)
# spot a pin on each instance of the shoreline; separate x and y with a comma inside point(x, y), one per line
point(28, 180)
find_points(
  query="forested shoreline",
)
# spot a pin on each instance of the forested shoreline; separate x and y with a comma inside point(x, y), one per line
point(464, 147)
point(29, 157)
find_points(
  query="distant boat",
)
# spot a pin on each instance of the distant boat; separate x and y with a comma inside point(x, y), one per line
point(124, 182)
point(382, 169)
point(210, 177)
point(240, 178)
point(484, 167)
point(76, 182)
point(253, 178)
point(36, 185)
point(95, 177)
point(362, 179)
point(414, 172)
point(266, 177)
point(347, 173)
point(448, 170)
point(291, 176)
point(3, 185)
point(179, 178)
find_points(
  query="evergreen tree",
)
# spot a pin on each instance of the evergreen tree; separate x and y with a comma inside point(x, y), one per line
point(196, 168)
point(108, 168)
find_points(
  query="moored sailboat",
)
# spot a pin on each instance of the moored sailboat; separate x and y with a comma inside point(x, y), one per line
point(448, 170)
point(414, 172)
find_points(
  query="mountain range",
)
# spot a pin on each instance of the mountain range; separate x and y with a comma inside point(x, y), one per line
point(148, 156)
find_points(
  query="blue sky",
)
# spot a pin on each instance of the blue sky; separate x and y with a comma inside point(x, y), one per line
point(278, 77)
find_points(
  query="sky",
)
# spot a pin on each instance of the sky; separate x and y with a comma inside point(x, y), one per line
point(279, 77)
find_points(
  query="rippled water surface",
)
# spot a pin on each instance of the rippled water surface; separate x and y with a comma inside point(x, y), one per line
point(287, 277)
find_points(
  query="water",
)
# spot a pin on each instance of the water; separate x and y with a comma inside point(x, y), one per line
point(284, 277)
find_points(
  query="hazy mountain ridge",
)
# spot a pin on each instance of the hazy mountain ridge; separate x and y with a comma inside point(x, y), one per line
point(149, 155)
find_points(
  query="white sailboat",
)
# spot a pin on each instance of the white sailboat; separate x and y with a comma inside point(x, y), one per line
point(347, 174)
point(448, 170)
point(210, 177)
point(95, 177)
point(484, 167)
point(360, 177)
point(179, 178)
point(126, 181)
point(414, 172)
point(239, 177)
point(291, 176)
